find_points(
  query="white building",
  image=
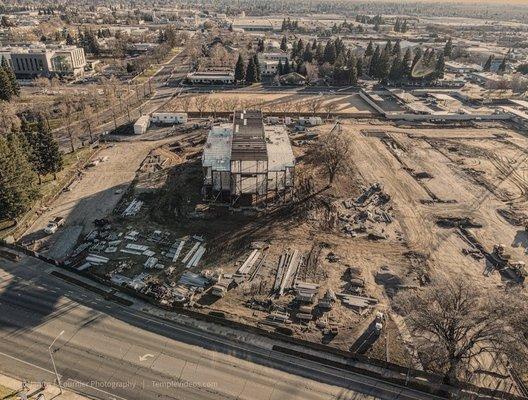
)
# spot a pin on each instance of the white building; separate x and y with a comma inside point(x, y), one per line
point(269, 61)
point(28, 62)
point(211, 77)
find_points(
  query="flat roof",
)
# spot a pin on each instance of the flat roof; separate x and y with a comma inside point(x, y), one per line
point(280, 153)
point(248, 136)
point(217, 149)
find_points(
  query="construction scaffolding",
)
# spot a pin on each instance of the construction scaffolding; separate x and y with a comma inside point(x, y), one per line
point(248, 164)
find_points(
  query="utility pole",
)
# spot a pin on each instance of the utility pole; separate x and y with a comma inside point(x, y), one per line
point(53, 360)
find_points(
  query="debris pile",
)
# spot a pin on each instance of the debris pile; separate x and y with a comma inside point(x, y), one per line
point(368, 214)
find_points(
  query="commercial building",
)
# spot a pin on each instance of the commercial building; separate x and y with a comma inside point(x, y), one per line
point(29, 62)
point(247, 164)
point(211, 77)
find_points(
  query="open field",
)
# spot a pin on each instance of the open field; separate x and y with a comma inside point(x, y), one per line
point(286, 102)
point(417, 203)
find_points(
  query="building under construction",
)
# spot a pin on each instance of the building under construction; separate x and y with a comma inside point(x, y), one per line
point(247, 164)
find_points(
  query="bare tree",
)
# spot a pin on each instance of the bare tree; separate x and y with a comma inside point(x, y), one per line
point(315, 104)
point(454, 323)
point(214, 105)
point(201, 103)
point(328, 107)
point(298, 106)
point(67, 108)
point(332, 154)
point(230, 103)
point(185, 102)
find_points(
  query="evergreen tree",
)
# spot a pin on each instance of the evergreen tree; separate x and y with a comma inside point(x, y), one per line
point(319, 53)
point(395, 74)
point(384, 64)
point(370, 49)
point(397, 48)
point(284, 44)
point(251, 72)
point(287, 68)
point(502, 66)
point(352, 75)
point(417, 57)
point(406, 64)
point(440, 66)
point(374, 63)
point(388, 47)
point(404, 27)
point(257, 67)
point(6, 92)
point(69, 40)
point(239, 69)
point(280, 68)
point(307, 55)
point(260, 46)
point(487, 66)
point(330, 52)
point(15, 86)
point(359, 66)
point(448, 48)
point(50, 156)
point(17, 179)
point(397, 25)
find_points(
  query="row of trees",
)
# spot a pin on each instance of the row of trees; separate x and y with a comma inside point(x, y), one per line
point(335, 62)
point(248, 71)
point(27, 153)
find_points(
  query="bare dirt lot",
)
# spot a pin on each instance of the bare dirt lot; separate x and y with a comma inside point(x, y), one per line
point(286, 102)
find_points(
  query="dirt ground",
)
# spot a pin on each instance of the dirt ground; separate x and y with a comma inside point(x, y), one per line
point(386, 223)
point(92, 195)
point(288, 102)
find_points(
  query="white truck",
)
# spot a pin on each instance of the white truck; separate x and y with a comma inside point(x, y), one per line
point(53, 225)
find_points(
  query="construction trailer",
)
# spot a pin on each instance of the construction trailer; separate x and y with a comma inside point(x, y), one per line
point(247, 164)
point(141, 125)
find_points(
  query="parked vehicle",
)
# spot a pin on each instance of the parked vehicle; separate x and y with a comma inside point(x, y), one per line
point(53, 225)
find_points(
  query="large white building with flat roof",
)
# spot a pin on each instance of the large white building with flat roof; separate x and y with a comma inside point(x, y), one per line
point(32, 61)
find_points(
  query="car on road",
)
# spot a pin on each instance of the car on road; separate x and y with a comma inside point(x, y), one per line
point(53, 225)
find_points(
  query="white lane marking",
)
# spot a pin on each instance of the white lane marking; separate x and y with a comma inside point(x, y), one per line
point(53, 373)
point(146, 356)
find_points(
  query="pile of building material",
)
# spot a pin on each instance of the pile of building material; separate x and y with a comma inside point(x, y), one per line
point(133, 208)
point(220, 288)
point(363, 215)
point(359, 304)
point(249, 267)
point(305, 292)
point(175, 250)
point(191, 279)
point(193, 256)
point(328, 300)
point(289, 263)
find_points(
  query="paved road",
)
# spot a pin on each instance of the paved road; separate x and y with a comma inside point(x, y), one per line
point(113, 352)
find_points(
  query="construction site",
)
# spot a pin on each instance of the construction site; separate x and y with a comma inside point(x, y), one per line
point(324, 264)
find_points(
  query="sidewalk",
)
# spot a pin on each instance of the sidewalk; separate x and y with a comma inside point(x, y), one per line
point(11, 388)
